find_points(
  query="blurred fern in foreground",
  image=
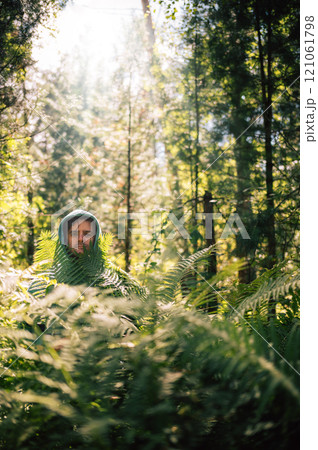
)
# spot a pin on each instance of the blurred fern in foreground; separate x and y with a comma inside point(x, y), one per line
point(118, 373)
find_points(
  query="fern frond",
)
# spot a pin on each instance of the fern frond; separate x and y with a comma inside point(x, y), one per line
point(105, 243)
point(267, 290)
point(45, 248)
point(182, 273)
point(128, 282)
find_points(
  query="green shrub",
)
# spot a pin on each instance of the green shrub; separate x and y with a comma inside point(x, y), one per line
point(118, 373)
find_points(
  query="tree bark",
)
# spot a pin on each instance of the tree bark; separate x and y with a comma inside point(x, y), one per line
point(208, 209)
point(267, 88)
point(30, 224)
point(149, 25)
point(197, 139)
point(128, 233)
point(245, 248)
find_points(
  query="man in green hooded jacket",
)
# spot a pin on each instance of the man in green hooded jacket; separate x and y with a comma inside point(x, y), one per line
point(79, 256)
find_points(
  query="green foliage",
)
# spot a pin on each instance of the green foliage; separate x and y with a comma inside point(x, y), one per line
point(55, 264)
point(183, 276)
point(212, 120)
point(19, 22)
point(124, 373)
point(266, 288)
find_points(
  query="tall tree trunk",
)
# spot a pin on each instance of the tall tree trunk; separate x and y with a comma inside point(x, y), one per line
point(243, 155)
point(128, 233)
point(149, 25)
point(245, 248)
point(267, 101)
point(151, 42)
point(30, 223)
point(197, 140)
point(267, 89)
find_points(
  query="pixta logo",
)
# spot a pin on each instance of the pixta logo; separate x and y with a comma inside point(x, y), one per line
point(147, 224)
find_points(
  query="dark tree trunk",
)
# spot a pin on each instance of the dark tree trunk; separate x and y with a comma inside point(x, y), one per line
point(267, 101)
point(208, 209)
point(30, 224)
point(211, 305)
point(197, 141)
point(245, 248)
point(268, 115)
point(128, 233)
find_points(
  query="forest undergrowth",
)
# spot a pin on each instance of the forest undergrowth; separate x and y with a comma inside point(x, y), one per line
point(81, 368)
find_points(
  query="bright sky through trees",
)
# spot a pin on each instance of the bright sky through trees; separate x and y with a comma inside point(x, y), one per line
point(95, 28)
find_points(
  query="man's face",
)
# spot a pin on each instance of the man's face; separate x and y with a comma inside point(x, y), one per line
point(81, 233)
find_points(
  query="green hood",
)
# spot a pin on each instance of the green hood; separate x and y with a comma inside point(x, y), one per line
point(63, 228)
